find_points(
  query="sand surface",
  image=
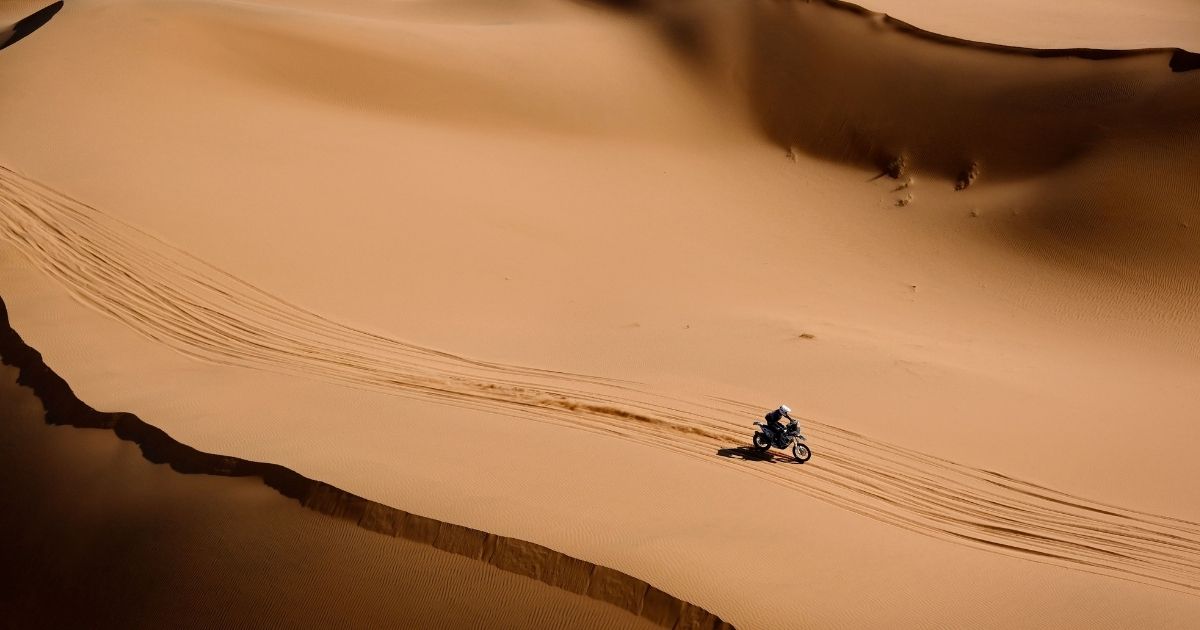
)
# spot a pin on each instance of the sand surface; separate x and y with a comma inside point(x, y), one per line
point(131, 544)
point(1104, 24)
point(535, 267)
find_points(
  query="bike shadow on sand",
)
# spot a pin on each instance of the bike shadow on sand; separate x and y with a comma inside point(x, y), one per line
point(751, 454)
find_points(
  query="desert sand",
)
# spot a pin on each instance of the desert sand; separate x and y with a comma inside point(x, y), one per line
point(1096, 24)
point(534, 268)
point(201, 551)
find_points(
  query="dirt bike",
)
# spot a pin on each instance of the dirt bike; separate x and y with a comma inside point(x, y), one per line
point(766, 437)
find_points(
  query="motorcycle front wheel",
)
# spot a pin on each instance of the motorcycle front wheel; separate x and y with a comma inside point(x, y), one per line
point(801, 452)
point(761, 443)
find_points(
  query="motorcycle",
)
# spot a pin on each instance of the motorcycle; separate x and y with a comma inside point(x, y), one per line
point(766, 437)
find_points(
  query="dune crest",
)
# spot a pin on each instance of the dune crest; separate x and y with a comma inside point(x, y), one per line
point(508, 554)
point(900, 99)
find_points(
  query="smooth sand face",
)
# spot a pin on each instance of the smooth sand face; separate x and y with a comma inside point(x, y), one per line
point(99, 524)
point(405, 204)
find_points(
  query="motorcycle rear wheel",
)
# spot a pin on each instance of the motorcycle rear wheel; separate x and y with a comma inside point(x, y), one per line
point(761, 443)
point(801, 452)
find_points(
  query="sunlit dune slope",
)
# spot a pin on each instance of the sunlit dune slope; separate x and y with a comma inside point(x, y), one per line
point(534, 269)
point(225, 551)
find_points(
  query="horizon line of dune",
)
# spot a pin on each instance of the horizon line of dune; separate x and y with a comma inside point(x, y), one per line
point(186, 304)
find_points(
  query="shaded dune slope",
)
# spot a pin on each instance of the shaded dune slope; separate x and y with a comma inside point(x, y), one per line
point(841, 82)
point(97, 523)
point(196, 309)
point(509, 554)
point(1108, 140)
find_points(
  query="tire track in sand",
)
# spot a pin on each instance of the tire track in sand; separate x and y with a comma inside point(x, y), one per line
point(205, 313)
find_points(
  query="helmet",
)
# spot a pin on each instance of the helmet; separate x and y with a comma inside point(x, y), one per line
point(785, 410)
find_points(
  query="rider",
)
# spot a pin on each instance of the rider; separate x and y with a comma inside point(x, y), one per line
point(773, 418)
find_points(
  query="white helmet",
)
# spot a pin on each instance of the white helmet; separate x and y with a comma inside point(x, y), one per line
point(785, 410)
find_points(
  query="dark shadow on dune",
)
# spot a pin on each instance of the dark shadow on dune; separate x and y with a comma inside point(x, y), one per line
point(747, 453)
point(840, 82)
point(627, 6)
point(1135, 221)
point(751, 454)
point(1184, 61)
point(23, 28)
point(508, 554)
point(843, 87)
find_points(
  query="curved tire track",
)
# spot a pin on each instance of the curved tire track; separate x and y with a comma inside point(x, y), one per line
point(203, 312)
point(507, 554)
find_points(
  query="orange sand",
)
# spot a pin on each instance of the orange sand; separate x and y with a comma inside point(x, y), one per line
point(535, 267)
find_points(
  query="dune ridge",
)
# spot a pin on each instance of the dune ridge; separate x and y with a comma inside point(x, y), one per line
point(1185, 59)
point(1182, 60)
point(210, 315)
point(508, 554)
point(905, 100)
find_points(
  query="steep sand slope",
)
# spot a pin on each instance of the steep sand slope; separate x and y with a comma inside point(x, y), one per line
point(104, 539)
point(310, 199)
point(206, 314)
point(897, 99)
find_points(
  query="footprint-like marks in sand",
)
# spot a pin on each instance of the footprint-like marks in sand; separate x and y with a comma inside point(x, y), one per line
point(203, 312)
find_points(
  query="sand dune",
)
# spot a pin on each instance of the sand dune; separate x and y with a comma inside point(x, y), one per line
point(178, 300)
point(962, 110)
point(200, 311)
point(27, 24)
point(423, 575)
point(405, 251)
point(1104, 24)
point(935, 105)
